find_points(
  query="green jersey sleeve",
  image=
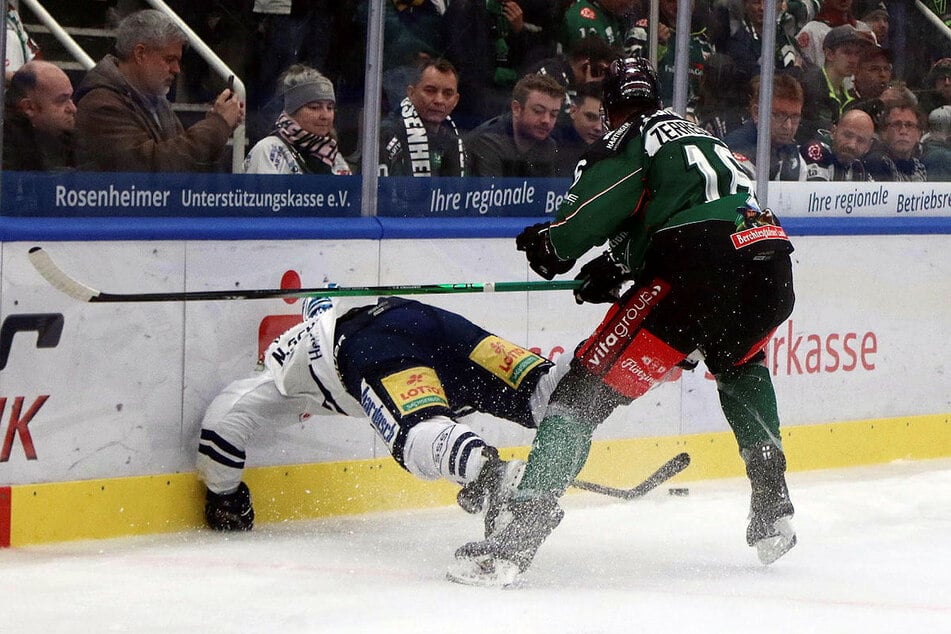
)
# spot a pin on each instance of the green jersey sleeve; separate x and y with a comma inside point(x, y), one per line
point(659, 173)
point(603, 200)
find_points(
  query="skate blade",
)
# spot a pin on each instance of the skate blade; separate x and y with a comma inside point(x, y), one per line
point(485, 571)
point(771, 548)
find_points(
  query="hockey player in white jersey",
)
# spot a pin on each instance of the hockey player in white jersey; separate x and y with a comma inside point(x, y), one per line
point(409, 369)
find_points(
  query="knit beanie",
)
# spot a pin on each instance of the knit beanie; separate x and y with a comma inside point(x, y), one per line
point(311, 87)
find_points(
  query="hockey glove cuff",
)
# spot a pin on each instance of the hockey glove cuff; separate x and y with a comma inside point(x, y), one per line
point(230, 511)
point(535, 241)
point(601, 280)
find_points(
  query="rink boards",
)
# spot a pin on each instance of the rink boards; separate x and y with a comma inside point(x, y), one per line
point(100, 404)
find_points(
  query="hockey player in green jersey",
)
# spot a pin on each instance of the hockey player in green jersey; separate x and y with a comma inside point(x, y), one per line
point(712, 280)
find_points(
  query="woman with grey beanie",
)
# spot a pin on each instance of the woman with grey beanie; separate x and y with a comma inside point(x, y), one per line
point(303, 140)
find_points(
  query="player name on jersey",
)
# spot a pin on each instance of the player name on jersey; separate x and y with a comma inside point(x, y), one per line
point(665, 127)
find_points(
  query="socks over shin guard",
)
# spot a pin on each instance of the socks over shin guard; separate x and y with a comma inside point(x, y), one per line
point(748, 401)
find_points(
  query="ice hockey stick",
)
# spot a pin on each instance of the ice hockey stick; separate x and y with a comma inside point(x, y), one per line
point(60, 280)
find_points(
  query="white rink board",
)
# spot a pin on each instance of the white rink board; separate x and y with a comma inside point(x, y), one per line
point(860, 199)
point(127, 383)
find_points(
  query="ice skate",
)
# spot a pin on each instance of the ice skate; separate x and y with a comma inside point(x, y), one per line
point(770, 530)
point(499, 560)
point(496, 483)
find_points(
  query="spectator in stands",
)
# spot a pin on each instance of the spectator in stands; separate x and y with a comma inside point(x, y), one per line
point(289, 32)
point(605, 19)
point(20, 46)
point(745, 46)
point(825, 89)
point(873, 73)
point(936, 146)
point(586, 126)
point(519, 142)
point(125, 123)
point(841, 158)
point(421, 138)
point(896, 159)
point(40, 119)
point(700, 49)
point(898, 90)
point(723, 102)
point(785, 161)
point(412, 28)
point(303, 140)
point(586, 62)
point(937, 86)
point(811, 38)
point(488, 42)
point(412, 33)
point(874, 13)
point(803, 12)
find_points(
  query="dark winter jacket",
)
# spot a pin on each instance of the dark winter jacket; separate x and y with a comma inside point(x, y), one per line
point(785, 164)
point(26, 149)
point(491, 151)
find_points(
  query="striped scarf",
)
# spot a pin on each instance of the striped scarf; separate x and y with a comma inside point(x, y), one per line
point(322, 148)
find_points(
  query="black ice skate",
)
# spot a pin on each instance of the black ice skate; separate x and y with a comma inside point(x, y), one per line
point(770, 530)
point(499, 559)
point(496, 484)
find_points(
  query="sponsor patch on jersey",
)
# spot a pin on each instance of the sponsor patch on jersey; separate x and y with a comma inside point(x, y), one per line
point(613, 138)
point(753, 235)
point(415, 389)
point(380, 416)
point(504, 359)
point(588, 13)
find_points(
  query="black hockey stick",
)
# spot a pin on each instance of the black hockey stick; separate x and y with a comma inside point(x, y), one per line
point(58, 278)
point(668, 470)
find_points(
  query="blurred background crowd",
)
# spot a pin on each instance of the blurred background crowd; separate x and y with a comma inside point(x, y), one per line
point(862, 89)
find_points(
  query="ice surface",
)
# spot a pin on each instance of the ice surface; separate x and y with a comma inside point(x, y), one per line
point(873, 556)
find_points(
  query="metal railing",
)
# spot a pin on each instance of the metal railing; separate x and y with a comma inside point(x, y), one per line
point(59, 33)
point(238, 138)
point(934, 19)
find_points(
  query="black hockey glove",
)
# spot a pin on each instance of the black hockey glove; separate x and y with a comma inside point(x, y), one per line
point(231, 511)
point(601, 280)
point(536, 244)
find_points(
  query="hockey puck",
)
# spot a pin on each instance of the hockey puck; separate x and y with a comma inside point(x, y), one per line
point(678, 491)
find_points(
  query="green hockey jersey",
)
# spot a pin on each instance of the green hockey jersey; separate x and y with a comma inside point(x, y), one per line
point(663, 187)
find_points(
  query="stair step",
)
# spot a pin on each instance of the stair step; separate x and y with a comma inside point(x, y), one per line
point(72, 30)
point(66, 65)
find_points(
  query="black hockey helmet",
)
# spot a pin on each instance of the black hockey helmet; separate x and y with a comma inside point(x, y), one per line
point(631, 80)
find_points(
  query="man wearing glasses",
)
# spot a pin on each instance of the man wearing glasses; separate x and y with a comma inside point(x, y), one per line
point(785, 162)
point(899, 129)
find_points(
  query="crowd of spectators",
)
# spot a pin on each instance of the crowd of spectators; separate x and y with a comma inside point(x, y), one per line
point(862, 88)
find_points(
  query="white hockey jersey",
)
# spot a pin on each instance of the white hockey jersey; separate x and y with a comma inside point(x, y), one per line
point(302, 362)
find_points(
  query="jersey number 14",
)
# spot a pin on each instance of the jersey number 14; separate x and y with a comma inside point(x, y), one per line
point(725, 178)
